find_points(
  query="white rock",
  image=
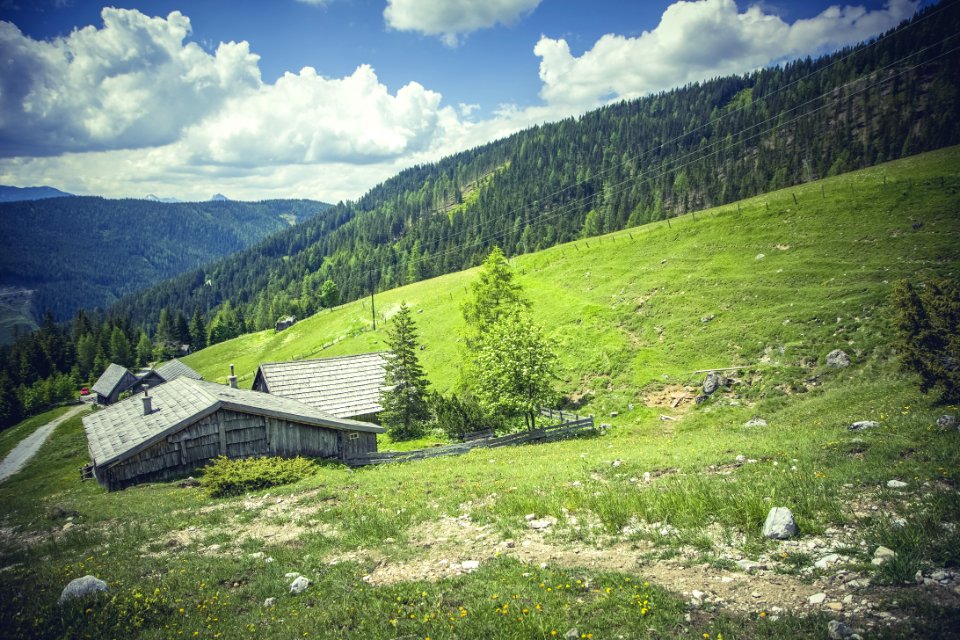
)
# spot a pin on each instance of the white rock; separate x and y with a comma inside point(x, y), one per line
point(470, 565)
point(299, 585)
point(542, 523)
point(530, 516)
point(756, 422)
point(860, 425)
point(817, 598)
point(779, 524)
point(826, 561)
point(80, 587)
point(291, 575)
point(896, 484)
point(269, 602)
point(256, 555)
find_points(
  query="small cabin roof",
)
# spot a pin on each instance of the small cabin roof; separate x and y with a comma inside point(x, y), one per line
point(122, 430)
point(343, 386)
point(173, 369)
point(110, 379)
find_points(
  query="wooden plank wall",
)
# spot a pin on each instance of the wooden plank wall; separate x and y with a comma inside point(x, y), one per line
point(236, 435)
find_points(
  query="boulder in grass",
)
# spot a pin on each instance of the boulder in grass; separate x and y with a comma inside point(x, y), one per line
point(780, 524)
point(299, 585)
point(860, 425)
point(838, 358)
point(946, 422)
point(81, 587)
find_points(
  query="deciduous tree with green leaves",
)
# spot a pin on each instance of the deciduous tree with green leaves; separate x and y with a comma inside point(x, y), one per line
point(405, 410)
point(514, 367)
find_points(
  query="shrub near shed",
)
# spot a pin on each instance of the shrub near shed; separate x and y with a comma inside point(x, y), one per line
point(226, 477)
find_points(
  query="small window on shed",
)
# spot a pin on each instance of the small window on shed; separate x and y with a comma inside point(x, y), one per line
point(353, 436)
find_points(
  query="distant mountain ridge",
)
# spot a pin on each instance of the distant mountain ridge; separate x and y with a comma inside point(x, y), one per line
point(19, 194)
point(86, 252)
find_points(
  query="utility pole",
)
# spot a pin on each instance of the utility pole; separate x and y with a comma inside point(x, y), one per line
point(373, 311)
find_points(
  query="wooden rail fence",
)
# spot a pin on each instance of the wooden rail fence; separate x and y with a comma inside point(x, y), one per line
point(570, 425)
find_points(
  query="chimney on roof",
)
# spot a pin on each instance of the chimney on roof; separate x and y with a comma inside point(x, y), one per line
point(232, 379)
point(147, 403)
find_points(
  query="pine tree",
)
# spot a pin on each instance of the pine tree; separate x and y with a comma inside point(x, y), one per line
point(405, 410)
point(144, 351)
point(492, 294)
point(198, 331)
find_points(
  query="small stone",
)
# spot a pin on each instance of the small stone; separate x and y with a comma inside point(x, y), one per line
point(269, 602)
point(257, 555)
point(918, 577)
point(388, 541)
point(848, 599)
point(740, 459)
point(572, 634)
point(756, 422)
point(883, 555)
point(268, 560)
point(707, 318)
point(747, 565)
point(838, 358)
point(614, 414)
point(817, 598)
point(470, 565)
point(299, 585)
point(755, 594)
point(834, 606)
point(530, 516)
point(81, 587)
point(616, 463)
point(542, 523)
point(836, 630)
point(947, 422)
point(779, 524)
point(826, 561)
point(760, 256)
point(896, 484)
point(712, 382)
point(860, 425)
point(67, 526)
point(291, 575)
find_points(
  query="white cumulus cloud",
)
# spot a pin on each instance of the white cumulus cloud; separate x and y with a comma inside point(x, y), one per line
point(131, 83)
point(306, 118)
point(699, 40)
point(450, 19)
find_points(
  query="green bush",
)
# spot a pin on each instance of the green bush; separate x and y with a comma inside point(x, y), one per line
point(928, 336)
point(226, 477)
point(458, 415)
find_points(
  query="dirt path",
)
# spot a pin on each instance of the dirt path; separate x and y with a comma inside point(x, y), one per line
point(31, 444)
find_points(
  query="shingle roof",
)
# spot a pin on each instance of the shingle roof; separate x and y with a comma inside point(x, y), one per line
point(344, 386)
point(107, 383)
point(122, 430)
point(174, 369)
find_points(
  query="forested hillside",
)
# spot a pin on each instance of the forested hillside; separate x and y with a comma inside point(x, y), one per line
point(701, 145)
point(85, 252)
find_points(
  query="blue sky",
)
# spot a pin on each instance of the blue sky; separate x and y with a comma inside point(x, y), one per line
point(325, 98)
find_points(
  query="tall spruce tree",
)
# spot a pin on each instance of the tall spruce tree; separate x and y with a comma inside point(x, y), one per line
point(405, 410)
point(493, 294)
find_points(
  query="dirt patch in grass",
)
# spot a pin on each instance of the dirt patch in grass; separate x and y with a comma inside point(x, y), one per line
point(672, 396)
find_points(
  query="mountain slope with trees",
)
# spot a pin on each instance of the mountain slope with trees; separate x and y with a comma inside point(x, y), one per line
point(87, 252)
point(701, 145)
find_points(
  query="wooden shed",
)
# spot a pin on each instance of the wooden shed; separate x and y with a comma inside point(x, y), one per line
point(345, 386)
point(114, 381)
point(181, 425)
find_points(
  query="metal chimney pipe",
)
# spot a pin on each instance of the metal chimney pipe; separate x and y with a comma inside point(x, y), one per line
point(232, 379)
point(147, 403)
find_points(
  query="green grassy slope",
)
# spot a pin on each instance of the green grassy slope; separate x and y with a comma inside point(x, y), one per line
point(628, 308)
point(379, 542)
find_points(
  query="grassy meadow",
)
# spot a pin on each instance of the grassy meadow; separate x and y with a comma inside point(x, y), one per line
point(668, 503)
